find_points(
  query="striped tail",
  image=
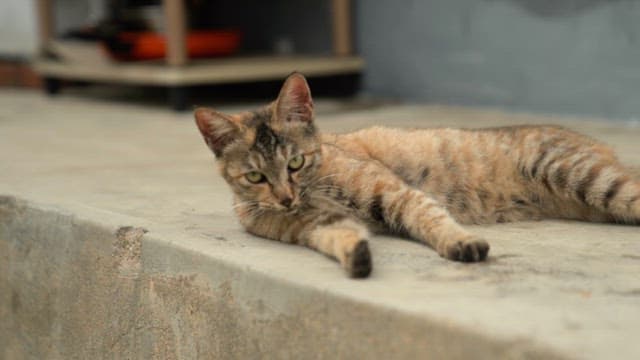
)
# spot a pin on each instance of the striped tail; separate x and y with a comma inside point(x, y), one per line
point(570, 166)
point(595, 180)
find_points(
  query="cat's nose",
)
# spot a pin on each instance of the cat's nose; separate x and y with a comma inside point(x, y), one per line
point(286, 201)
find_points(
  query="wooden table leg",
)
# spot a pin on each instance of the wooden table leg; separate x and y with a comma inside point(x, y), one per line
point(341, 17)
point(45, 23)
point(179, 97)
point(46, 33)
point(176, 32)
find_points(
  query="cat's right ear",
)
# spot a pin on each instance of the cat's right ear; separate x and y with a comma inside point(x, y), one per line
point(217, 129)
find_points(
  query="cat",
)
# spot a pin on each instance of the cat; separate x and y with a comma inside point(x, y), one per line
point(326, 191)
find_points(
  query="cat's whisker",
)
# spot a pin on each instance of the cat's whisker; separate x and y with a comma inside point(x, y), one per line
point(322, 178)
point(312, 186)
point(244, 203)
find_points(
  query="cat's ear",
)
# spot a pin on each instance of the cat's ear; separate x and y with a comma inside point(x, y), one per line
point(294, 104)
point(217, 129)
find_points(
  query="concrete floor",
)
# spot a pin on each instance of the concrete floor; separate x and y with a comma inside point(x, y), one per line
point(549, 289)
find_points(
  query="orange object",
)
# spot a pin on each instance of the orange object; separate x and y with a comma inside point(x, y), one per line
point(130, 46)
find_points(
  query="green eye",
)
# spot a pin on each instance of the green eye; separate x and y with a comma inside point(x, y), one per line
point(255, 177)
point(296, 162)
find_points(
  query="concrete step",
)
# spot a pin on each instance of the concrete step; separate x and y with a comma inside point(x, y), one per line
point(117, 241)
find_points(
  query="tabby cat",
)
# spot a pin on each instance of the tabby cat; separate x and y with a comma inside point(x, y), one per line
point(324, 191)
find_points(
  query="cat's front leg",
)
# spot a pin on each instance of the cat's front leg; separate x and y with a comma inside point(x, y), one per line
point(345, 240)
point(334, 235)
point(384, 199)
point(423, 218)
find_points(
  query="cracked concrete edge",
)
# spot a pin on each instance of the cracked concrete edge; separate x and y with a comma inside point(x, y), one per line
point(77, 284)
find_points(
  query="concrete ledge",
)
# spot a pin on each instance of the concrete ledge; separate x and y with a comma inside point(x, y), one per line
point(75, 284)
point(72, 288)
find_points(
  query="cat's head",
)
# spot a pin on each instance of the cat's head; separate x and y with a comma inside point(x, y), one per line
point(271, 155)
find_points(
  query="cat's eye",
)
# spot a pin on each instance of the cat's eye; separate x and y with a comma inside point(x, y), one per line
point(296, 162)
point(255, 177)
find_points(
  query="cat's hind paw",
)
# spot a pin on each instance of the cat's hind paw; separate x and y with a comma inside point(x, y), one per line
point(358, 262)
point(468, 250)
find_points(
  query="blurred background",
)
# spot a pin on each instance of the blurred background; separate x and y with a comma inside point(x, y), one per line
point(577, 57)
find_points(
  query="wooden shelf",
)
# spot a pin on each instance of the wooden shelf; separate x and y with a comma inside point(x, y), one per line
point(199, 72)
point(177, 71)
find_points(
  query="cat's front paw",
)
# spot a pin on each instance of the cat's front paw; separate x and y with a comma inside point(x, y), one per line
point(358, 262)
point(471, 249)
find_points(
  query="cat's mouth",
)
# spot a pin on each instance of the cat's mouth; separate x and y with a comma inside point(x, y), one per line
point(292, 212)
point(291, 207)
point(295, 207)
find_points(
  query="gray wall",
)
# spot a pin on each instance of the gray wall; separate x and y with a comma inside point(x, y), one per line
point(19, 25)
point(560, 56)
point(17, 28)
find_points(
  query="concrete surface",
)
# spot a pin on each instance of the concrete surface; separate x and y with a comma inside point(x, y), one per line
point(82, 180)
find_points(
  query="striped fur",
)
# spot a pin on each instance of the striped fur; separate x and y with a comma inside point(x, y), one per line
point(420, 183)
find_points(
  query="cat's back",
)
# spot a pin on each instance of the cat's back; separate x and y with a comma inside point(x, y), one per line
point(390, 145)
point(460, 166)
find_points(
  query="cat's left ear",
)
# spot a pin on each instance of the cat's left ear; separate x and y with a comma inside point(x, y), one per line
point(294, 104)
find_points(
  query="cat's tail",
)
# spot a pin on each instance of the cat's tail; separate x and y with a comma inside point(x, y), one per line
point(610, 189)
point(598, 181)
point(582, 171)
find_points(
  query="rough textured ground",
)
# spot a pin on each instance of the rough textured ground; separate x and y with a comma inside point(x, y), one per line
point(195, 285)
